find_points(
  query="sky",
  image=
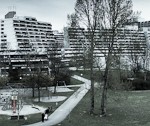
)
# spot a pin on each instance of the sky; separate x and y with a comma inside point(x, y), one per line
point(142, 6)
point(55, 11)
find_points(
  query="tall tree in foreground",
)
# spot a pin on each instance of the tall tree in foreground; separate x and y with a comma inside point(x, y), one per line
point(90, 15)
point(117, 13)
point(100, 15)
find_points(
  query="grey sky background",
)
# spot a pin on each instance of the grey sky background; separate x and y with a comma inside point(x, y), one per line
point(55, 11)
point(144, 7)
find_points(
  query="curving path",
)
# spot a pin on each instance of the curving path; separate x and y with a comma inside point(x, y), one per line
point(63, 111)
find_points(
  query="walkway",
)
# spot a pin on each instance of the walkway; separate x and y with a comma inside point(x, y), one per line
point(63, 111)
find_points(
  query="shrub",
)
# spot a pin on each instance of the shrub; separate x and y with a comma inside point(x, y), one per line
point(140, 84)
point(3, 81)
point(63, 75)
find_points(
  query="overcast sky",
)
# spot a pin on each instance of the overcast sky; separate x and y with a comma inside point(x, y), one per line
point(55, 11)
point(144, 7)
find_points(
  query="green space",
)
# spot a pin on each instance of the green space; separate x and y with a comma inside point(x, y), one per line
point(75, 81)
point(86, 74)
point(5, 120)
point(33, 118)
point(124, 108)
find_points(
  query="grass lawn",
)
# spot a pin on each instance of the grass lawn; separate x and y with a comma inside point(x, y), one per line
point(5, 121)
point(75, 81)
point(86, 74)
point(125, 108)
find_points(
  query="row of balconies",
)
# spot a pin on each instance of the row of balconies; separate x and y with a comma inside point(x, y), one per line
point(104, 31)
point(47, 31)
point(105, 46)
point(32, 25)
point(23, 70)
point(31, 22)
point(2, 47)
point(109, 37)
point(3, 40)
point(31, 36)
point(23, 59)
point(123, 52)
point(33, 33)
point(34, 39)
point(73, 40)
point(31, 29)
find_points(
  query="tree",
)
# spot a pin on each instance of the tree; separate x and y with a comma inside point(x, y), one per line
point(30, 81)
point(138, 53)
point(72, 20)
point(53, 54)
point(146, 58)
point(37, 79)
point(108, 16)
point(117, 13)
point(3, 81)
point(90, 13)
point(41, 80)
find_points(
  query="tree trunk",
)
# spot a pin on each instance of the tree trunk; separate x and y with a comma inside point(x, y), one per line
point(55, 86)
point(39, 94)
point(145, 75)
point(33, 92)
point(92, 93)
point(55, 89)
point(91, 76)
point(104, 93)
point(108, 63)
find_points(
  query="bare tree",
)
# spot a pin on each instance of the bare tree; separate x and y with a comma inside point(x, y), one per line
point(41, 81)
point(138, 53)
point(72, 20)
point(89, 13)
point(3, 81)
point(53, 54)
point(29, 81)
point(146, 58)
point(117, 13)
point(107, 16)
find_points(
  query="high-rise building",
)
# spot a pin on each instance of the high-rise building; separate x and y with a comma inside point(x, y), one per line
point(128, 41)
point(25, 33)
point(26, 43)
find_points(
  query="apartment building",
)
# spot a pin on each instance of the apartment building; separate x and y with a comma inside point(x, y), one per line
point(59, 38)
point(23, 63)
point(128, 41)
point(145, 27)
point(26, 42)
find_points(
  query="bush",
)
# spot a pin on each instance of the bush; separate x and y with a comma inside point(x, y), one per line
point(63, 75)
point(3, 81)
point(140, 84)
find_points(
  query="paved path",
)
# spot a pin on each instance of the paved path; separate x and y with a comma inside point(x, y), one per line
point(63, 111)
